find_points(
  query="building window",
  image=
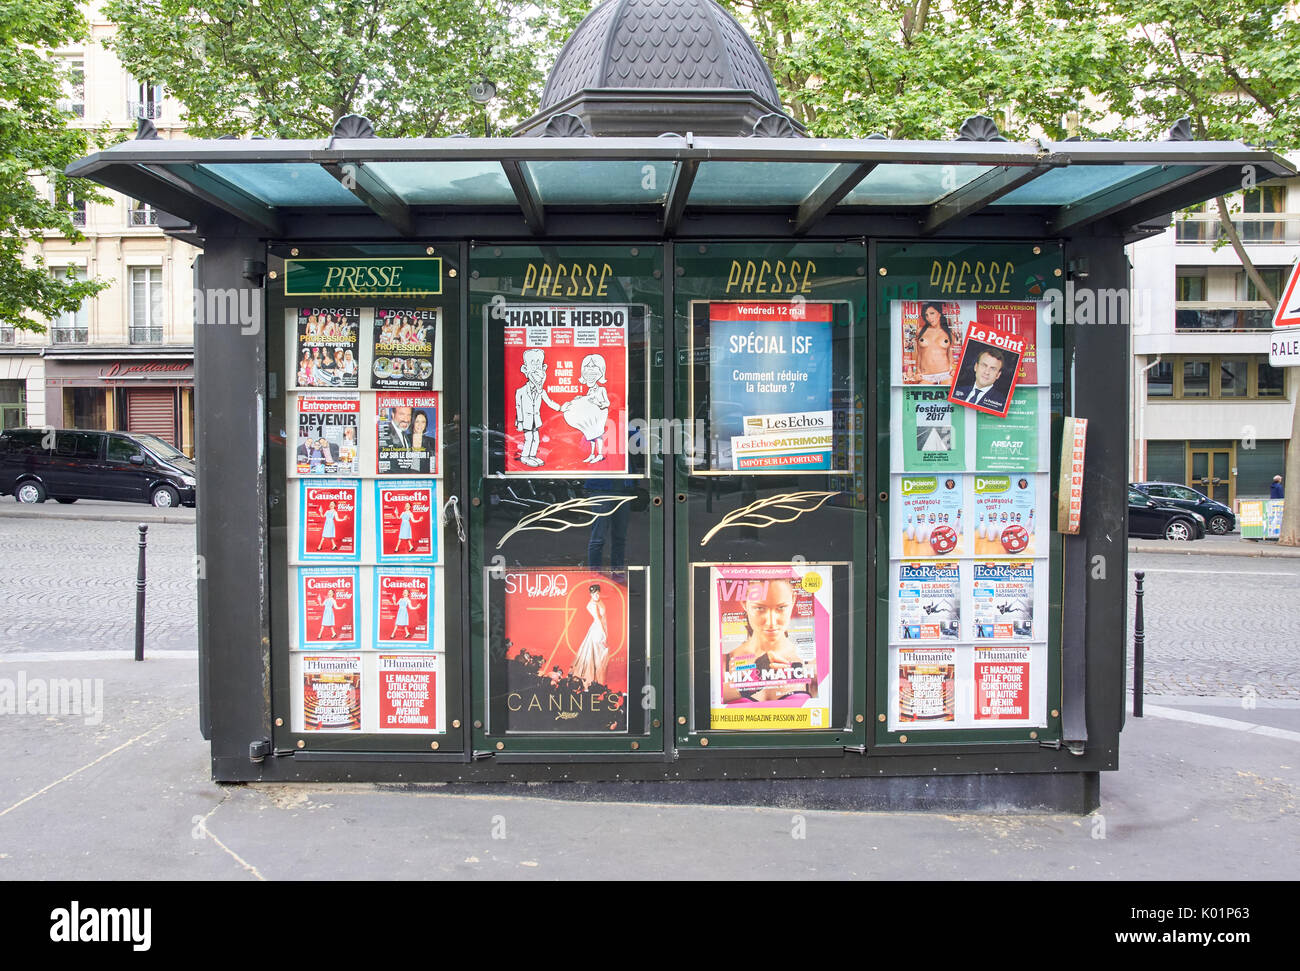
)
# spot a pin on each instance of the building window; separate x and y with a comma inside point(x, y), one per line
point(141, 214)
point(71, 327)
point(1274, 276)
point(1215, 376)
point(1160, 380)
point(1255, 226)
point(6, 335)
point(1233, 378)
point(146, 305)
point(75, 87)
point(1190, 284)
point(1196, 377)
point(1272, 381)
point(147, 102)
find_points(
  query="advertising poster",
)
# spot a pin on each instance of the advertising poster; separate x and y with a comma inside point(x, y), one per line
point(987, 373)
point(328, 434)
point(770, 386)
point(327, 608)
point(566, 388)
point(402, 612)
point(770, 651)
point(933, 432)
point(1003, 596)
point(402, 349)
point(406, 521)
point(927, 685)
point(566, 646)
point(406, 434)
point(327, 354)
point(1009, 444)
point(931, 509)
point(1001, 683)
point(1018, 318)
point(327, 519)
point(929, 601)
point(331, 694)
point(931, 334)
point(409, 692)
point(1004, 515)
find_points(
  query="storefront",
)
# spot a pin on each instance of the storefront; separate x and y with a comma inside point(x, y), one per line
point(666, 457)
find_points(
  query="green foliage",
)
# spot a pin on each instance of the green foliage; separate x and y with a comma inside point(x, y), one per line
point(35, 138)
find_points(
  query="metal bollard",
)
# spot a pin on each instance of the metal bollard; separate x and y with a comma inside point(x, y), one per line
point(139, 597)
point(1139, 648)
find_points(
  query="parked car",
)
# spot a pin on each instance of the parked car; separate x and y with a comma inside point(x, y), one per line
point(1219, 519)
point(70, 464)
point(1149, 516)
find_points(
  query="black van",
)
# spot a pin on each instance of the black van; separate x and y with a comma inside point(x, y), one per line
point(71, 464)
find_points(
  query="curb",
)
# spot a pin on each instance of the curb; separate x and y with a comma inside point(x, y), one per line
point(1192, 549)
point(105, 517)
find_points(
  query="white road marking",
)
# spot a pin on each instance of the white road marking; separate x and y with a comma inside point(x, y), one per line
point(1214, 721)
point(1243, 573)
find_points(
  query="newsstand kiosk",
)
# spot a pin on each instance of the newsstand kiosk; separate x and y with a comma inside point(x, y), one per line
point(663, 444)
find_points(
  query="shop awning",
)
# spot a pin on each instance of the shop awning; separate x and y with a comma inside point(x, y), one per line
point(672, 185)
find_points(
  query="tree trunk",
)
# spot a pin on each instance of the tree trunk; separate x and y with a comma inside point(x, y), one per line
point(1265, 292)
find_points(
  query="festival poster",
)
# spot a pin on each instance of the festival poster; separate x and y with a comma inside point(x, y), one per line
point(402, 344)
point(406, 521)
point(328, 434)
point(406, 434)
point(927, 685)
point(565, 640)
point(929, 601)
point(929, 519)
point(328, 510)
point(1004, 515)
point(770, 386)
point(327, 354)
point(410, 693)
point(931, 334)
point(566, 388)
point(933, 431)
point(403, 616)
point(1019, 318)
point(986, 375)
point(1002, 683)
point(331, 695)
point(1009, 444)
point(1002, 596)
point(327, 608)
point(770, 647)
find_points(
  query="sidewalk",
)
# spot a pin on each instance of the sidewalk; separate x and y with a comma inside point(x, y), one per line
point(97, 510)
point(1230, 545)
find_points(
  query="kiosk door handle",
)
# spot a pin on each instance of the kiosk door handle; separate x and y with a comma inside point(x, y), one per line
point(453, 504)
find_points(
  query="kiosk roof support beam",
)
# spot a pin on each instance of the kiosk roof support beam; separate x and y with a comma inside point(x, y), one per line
point(363, 183)
point(981, 192)
point(842, 180)
point(526, 193)
point(222, 195)
point(678, 193)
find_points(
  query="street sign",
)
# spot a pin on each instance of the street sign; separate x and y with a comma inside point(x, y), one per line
point(1288, 308)
point(1284, 349)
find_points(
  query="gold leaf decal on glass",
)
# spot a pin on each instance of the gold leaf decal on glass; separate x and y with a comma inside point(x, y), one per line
point(568, 514)
point(785, 508)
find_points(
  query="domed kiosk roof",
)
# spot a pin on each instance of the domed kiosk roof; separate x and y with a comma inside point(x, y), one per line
point(643, 67)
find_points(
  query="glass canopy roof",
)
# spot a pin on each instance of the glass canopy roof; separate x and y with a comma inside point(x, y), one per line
point(1067, 184)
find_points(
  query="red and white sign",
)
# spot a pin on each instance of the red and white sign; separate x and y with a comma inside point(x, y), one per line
point(1069, 512)
point(1001, 684)
point(406, 515)
point(408, 693)
point(1288, 308)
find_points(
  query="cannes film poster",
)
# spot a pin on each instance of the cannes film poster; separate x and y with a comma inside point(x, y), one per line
point(402, 346)
point(770, 386)
point(1004, 515)
point(927, 685)
point(931, 516)
point(566, 388)
point(328, 434)
point(410, 693)
point(565, 641)
point(327, 608)
point(327, 355)
point(1002, 683)
point(770, 647)
point(929, 601)
point(1003, 598)
point(331, 693)
point(328, 511)
point(406, 433)
point(402, 612)
point(406, 521)
point(933, 431)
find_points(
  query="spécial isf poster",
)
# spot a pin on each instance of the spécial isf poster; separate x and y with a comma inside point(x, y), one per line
point(327, 355)
point(410, 693)
point(328, 434)
point(933, 432)
point(331, 694)
point(1002, 684)
point(1003, 600)
point(402, 614)
point(402, 349)
point(1004, 515)
point(327, 523)
point(927, 684)
point(770, 386)
point(931, 516)
point(406, 434)
point(406, 521)
point(929, 601)
point(327, 608)
point(566, 648)
point(770, 647)
point(566, 388)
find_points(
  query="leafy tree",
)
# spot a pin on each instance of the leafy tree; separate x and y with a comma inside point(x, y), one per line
point(35, 138)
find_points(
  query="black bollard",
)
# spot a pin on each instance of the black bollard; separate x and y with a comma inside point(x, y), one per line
point(1139, 648)
point(139, 598)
